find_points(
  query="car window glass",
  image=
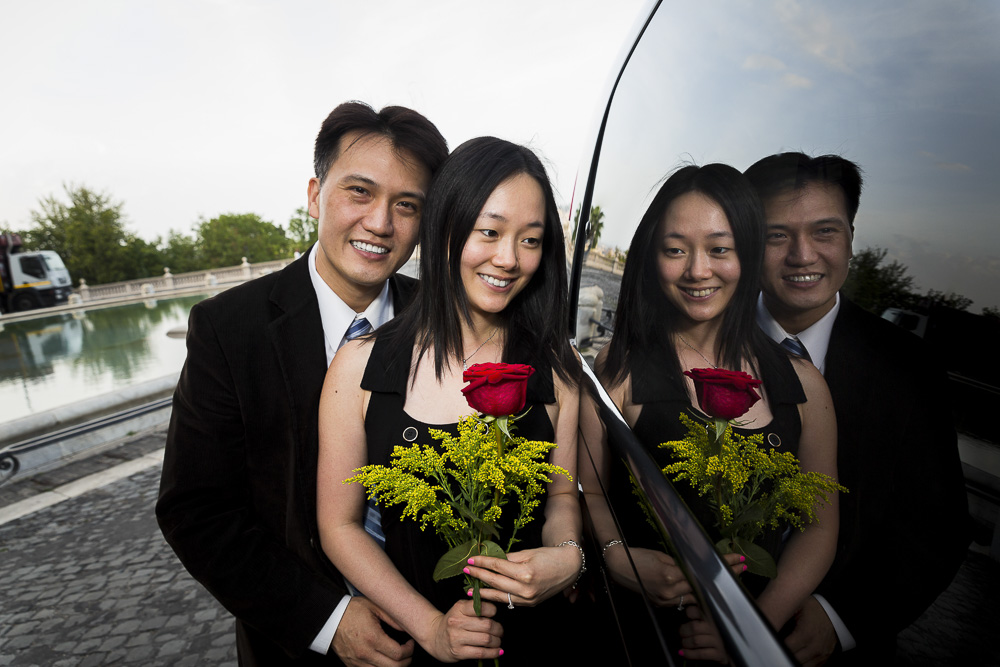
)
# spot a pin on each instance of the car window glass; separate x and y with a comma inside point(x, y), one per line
point(909, 91)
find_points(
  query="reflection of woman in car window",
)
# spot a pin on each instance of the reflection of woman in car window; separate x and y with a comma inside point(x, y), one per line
point(687, 301)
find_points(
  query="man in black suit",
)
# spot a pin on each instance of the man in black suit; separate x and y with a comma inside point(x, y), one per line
point(238, 491)
point(903, 524)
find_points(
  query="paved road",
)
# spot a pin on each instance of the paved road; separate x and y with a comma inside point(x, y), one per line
point(90, 581)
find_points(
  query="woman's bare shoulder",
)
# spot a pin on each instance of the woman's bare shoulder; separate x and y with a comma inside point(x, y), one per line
point(350, 361)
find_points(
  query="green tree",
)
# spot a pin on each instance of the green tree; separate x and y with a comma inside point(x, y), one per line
point(596, 227)
point(954, 300)
point(303, 229)
point(875, 286)
point(181, 253)
point(89, 234)
point(226, 239)
point(992, 311)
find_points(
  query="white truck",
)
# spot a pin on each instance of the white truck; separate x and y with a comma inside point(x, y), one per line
point(30, 279)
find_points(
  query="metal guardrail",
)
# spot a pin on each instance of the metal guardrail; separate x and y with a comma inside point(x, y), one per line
point(10, 464)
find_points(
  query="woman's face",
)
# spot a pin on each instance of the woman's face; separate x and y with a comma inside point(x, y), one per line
point(696, 257)
point(505, 246)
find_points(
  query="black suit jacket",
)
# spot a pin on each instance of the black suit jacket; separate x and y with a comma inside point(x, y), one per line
point(904, 523)
point(238, 491)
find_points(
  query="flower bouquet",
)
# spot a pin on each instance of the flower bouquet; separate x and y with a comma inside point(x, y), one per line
point(462, 486)
point(747, 487)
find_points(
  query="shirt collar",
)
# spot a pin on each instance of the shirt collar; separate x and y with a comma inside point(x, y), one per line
point(337, 316)
point(816, 339)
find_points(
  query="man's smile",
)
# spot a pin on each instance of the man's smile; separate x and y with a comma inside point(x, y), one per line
point(368, 247)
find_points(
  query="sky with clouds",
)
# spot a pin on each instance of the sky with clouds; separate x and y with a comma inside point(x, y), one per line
point(194, 108)
point(910, 91)
point(188, 108)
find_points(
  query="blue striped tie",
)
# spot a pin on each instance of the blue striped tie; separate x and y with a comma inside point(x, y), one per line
point(359, 327)
point(373, 518)
point(795, 346)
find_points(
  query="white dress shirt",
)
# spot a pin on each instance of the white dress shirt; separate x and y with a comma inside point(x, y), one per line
point(337, 317)
point(816, 340)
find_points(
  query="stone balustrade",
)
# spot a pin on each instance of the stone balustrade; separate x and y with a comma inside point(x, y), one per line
point(170, 283)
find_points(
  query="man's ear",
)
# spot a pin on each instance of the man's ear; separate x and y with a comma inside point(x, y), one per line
point(313, 194)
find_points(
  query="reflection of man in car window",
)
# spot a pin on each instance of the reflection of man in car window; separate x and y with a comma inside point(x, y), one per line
point(903, 524)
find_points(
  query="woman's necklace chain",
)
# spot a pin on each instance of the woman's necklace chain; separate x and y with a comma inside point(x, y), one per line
point(465, 361)
point(696, 350)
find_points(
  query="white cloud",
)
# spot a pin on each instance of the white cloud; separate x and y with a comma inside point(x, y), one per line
point(796, 81)
point(760, 61)
point(953, 166)
point(816, 33)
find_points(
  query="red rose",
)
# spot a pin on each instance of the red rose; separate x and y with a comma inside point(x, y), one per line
point(724, 394)
point(497, 389)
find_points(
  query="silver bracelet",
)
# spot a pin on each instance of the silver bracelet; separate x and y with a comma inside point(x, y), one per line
point(608, 545)
point(583, 559)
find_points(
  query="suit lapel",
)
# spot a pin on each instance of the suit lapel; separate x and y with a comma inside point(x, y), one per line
point(844, 356)
point(296, 332)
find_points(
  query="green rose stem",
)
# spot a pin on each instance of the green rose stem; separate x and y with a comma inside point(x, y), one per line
point(498, 436)
point(718, 433)
point(477, 603)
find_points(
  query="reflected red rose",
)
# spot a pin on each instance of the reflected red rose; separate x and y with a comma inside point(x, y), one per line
point(724, 394)
point(497, 389)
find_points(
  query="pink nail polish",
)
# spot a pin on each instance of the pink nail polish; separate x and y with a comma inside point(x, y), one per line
point(744, 568)
point(501, 651)
point(742, 558)
point(681, 653)
point(471, 561)
point(469, 594)
point(466, 570)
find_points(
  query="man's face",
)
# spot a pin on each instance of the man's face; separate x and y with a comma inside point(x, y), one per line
point(368, 208)
point(807, 254)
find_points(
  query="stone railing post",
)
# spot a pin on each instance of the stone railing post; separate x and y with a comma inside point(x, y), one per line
point(168, 278)
point(84, 290)
point(245, 266)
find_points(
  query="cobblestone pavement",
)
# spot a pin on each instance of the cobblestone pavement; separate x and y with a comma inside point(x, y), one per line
point(90, 581)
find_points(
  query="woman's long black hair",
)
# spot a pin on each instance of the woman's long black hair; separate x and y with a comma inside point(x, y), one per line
point(646, 319)
point(537, 320)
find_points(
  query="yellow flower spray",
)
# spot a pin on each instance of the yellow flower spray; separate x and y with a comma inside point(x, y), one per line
point(462, 487)
point(747, 487)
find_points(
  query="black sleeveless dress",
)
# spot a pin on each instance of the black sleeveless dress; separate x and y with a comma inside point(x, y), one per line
point(529, 633)
point(663, 401)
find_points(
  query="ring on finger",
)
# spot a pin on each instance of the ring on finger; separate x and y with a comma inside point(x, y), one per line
point(510, 603)
point(680, 605)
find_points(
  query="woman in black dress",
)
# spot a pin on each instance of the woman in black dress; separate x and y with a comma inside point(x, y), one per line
point(492, 289)
point(688, 299)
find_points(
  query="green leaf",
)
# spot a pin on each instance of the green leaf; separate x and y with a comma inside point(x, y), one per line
point(488, 548)
point(452, 563)
point(758, 560)
point(477, 600)
point(502, 424)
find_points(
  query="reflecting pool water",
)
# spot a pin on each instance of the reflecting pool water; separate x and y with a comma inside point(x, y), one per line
point(53, 361)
